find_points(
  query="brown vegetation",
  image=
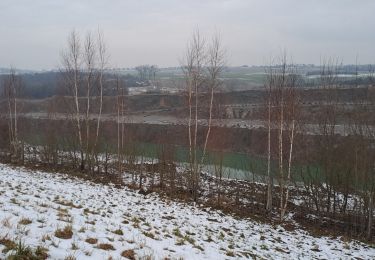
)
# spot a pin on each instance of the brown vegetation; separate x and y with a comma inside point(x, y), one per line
point(65, 233)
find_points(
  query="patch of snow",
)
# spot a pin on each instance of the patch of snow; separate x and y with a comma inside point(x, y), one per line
point(151, 226)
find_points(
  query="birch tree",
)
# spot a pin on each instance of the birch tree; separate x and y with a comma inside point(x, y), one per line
point(270, 81)
point(327, 126)
point(193, 69)
point(215, 65)
point(12, 88)
point(84, 69)
point(362, 129)
point(202, 66)
point(89, 56)
point(120, 108)
point(282, 101)
point(72, 70)
point(291, 109)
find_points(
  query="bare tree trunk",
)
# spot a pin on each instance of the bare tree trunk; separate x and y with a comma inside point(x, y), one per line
point(269, 177)
point(216, 63)
point(289, 170)
point(72, 65)
point(15, 122)
point(118, 124)
point(209, 125)
point(11, 129)
point(281, 170)
point(122, 120)
point(370, 214)
point(78, 119)
point(189, 126)
point(89, 57)
point(103, 59)
point(196, 173)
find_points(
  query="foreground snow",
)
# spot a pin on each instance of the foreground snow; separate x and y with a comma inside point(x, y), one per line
point(149, 226)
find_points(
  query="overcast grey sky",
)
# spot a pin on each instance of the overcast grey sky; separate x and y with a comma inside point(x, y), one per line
point(32, 32)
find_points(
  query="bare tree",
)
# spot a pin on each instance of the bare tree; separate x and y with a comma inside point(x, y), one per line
point(147, 72)
point(89, 56)
point(12, 88)
point(72, 62)
point(269, 91)
point(362, 129)
point(202, 67)
point(83, 69)
point(193, 68)
point(327, 125)
point(282, 101)
point(120, 107)
point(103, 58)
point(292, 102)
point(215, 66)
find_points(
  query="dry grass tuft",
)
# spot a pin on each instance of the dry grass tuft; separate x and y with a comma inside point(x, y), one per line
point(118, 232)
point(91, 240)
point(106, 246)
point(65, 233)
point(130, 254)
point(9, 244)
point(25, 221)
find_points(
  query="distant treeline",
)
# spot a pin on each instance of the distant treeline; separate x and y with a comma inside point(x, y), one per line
point(347, 70)
point(48, 84)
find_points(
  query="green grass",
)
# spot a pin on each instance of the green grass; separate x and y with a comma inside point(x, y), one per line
point(258, 78)
point(238, 162)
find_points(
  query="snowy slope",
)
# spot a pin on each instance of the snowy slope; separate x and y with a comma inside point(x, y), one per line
point(150, 226)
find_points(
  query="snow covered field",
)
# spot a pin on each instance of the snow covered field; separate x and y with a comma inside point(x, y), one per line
point(107, 222)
